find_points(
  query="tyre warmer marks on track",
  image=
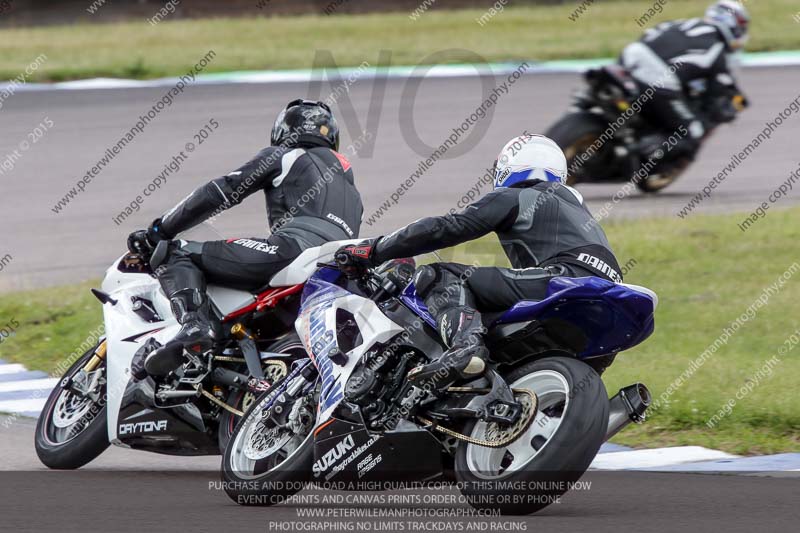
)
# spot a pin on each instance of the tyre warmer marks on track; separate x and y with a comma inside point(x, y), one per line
point(24, 393)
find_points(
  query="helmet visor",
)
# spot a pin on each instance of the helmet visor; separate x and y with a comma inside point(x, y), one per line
point(541, 174)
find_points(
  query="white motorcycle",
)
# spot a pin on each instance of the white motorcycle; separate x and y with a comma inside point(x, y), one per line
point(106, 397)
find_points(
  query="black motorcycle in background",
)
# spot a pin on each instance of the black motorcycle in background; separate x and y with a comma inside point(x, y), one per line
point(605, 141)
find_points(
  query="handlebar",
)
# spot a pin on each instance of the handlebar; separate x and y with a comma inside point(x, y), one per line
point(375, 285)
point(342, 259)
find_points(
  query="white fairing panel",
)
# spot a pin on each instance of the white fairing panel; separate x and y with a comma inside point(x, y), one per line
point(375, 328)
point(122, 323)
point(126, 331)
point(306, 263)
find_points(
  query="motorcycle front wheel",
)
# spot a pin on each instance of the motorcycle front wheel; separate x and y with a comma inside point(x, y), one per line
point(535, 469)
point(242, 400)
point(72, 429)
point(264, 464)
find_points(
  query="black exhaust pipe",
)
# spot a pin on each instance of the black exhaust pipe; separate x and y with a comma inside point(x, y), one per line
point(629, 405)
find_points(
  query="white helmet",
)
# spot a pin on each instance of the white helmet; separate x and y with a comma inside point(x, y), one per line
point(732, 19)
point(530, 157)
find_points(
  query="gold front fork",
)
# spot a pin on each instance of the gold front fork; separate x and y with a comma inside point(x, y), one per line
point(97, 358)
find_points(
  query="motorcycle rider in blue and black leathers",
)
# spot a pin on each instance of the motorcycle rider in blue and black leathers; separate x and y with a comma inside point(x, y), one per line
point(544, 227)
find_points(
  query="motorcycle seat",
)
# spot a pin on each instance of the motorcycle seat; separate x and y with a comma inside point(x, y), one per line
point(288, 281)
point(616, 75)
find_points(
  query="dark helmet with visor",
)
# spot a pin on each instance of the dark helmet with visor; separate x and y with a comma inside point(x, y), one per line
point(306, 122)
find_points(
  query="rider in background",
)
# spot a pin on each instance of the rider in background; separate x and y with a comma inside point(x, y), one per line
point(688, 57)
point(311, 199)
point(544, 228)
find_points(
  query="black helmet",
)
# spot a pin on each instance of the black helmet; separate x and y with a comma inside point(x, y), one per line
point(306, 121)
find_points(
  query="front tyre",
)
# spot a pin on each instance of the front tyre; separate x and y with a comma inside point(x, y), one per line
point(242, 400)
point(266, 463)
point(534, 470)
point(72, 428)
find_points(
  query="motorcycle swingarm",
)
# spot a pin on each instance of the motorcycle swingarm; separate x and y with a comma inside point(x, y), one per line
point(494, 404)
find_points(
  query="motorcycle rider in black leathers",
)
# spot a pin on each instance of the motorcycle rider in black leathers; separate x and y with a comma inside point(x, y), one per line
point(545, 230)
point(311, 199)
point(686, 59)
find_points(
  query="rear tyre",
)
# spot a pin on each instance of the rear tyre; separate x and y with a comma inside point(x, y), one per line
point(537, 468)
point(575, 133)
point(657, 182)
point(72, 430)
point(242, 400)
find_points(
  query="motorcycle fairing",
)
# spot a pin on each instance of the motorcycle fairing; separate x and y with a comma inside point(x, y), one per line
point(126, 332)
point(305, 264)
point(612, 316)
point(178, 430)
point(609, 317)
point(412, 300)
point(348, 453)
point(317, 325)
point(343, 447)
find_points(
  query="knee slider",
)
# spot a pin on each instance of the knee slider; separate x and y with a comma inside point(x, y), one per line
point(165, 250)
point(160, 253)
point(424, 278)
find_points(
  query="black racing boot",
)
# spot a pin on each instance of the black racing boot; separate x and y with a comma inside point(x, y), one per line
point(466, 358)
point(192, 310)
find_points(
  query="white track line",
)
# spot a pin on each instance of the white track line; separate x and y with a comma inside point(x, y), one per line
point(13, 368)
point(757, 59)
point(29, 384)
point(657, 457)
point(17, 406)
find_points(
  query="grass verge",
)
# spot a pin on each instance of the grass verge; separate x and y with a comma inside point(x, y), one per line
point(46, 325)
point(138, 50)
point(707, 274)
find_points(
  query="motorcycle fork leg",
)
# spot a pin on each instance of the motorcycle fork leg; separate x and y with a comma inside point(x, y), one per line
point(97, 358)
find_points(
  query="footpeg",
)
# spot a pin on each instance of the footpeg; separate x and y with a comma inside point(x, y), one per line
point(258, 386)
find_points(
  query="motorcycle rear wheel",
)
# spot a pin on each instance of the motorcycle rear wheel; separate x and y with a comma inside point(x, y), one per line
point(556, 450)
point(658, 182)
point(575, 133)
point(72, 430)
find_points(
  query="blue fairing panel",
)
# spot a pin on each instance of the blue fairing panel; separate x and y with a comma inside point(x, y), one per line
point(613, 317)
point(410, 298)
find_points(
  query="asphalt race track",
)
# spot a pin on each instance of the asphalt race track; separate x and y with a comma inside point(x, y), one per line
point(136, 491)
point(133, 491)
point(81, 240)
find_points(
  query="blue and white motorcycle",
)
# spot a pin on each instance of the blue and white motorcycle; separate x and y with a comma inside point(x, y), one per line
point(514, 439)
